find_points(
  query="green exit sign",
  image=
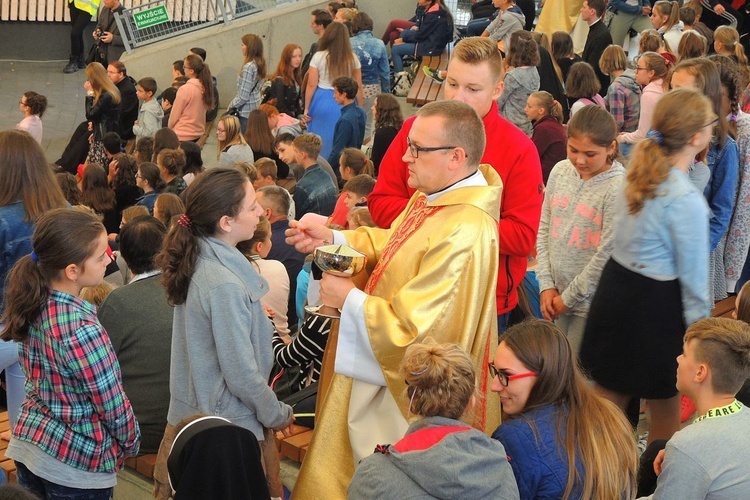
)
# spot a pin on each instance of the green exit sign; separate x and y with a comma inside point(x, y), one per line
point(151, 17)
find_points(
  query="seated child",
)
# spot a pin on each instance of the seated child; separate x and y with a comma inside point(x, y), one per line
point(708, 459)
point(360, 217)
point(357, 189)
point(267, 173)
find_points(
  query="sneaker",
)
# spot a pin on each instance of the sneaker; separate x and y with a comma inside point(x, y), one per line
point(433, 73)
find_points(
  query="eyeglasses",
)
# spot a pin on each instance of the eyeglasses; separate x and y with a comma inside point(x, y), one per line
point(712, 122)
point(138, 176)
point(415, 150)
point(504, 378)
point(638, 68)
point(22, 103)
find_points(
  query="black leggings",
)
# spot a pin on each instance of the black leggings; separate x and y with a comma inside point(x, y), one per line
point(78, 21)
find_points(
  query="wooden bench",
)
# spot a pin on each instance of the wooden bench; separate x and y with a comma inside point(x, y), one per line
point(295, 446)
point(143, 464)
point(425, 89)
point(8, 465)
point(724, 308)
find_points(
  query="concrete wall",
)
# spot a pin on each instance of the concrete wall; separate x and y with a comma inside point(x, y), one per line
point(290, 24)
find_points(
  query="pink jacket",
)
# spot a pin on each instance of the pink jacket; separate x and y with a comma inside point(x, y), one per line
point(188, 116)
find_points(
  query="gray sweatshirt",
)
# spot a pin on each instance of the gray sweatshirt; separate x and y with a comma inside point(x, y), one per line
point(575, 232)
point(221, 345)
point(708, 460)
point(464, 464)
point(505, 24)
point(520, 83)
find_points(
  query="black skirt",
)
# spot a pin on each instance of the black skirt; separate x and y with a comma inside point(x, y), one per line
point(634, 334)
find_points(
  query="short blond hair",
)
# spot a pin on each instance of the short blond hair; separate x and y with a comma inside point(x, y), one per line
point(724, 345)
point(476, 50)
point(310, 144)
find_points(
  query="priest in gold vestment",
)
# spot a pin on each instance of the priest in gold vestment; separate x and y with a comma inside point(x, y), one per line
point(432, 275)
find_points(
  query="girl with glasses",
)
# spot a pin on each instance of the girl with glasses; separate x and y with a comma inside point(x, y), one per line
point(33, 106)
point(562, 440)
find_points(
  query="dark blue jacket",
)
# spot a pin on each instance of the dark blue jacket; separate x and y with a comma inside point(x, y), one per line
point(538, 461)
point(434, 33)
point(349, 132)
point(292, 260)
point(315, 193)
point(15, 240)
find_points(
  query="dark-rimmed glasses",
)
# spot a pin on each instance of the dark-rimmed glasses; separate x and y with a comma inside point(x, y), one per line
point(415, 150)
point(504, 378)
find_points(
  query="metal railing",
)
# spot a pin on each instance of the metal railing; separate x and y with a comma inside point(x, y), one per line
point(146, 23)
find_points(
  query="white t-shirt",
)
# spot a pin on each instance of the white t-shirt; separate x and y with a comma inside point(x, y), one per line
point(319, 61)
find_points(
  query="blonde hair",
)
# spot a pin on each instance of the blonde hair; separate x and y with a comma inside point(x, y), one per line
point(100, 82)
point(678, 116)
point(671, 9)
point(613, 59)
point(131, 213)
point(96, 294)
point(476, 50)
point(232, 133)
point(729, 38)
point(651, 41)
point(551, 106)
point(440, 380)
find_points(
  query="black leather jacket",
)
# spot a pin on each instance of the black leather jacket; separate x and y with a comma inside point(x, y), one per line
point(104, 115)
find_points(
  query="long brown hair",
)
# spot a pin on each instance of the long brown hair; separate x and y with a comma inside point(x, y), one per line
point(254, 46)
point(95, 190)
point(341, 59)
point(61, 237)
point(596, 431)
point(355, 159)
point(203, 74)
point(678, 116)
point(289, 75)
point(25, 175)
point(258, 134)
point(212, 195)
point(100, 82)
point(707, 81)
point(388, 112)
point(126, 170)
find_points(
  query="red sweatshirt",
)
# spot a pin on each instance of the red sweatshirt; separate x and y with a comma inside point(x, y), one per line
point(515, 158)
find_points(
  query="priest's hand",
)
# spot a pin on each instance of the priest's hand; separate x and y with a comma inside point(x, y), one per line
point(307, 236)
point(334, 290)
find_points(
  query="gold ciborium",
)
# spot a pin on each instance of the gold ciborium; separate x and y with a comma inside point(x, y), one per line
point(338, 260)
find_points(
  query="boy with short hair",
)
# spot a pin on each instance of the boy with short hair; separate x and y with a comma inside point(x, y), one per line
point(709, 458)
point(357, 189)
point(167, 100)
point(696, 24)
point(284, 147)
point(314, 192)
point(267, 173)
point(349, 131)
point(151, 114)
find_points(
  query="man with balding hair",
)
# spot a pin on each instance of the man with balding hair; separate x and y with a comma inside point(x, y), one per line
point(432, 274)
point(276, 201)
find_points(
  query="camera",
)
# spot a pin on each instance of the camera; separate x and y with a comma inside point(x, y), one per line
point(98, 33)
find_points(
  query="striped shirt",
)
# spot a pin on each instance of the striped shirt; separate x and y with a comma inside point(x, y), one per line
point(306, 350)
point(75, 408)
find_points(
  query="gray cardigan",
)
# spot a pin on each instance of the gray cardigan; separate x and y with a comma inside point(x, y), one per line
point(221, 345)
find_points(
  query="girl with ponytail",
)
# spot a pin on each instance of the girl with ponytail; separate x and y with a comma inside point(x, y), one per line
point(665, 17)
point(441, 390)
point(221, 337)
point(655, 282)
point(546, 116)
point(727, 43)
point(721, 158)
point(194, 99)
point(76, 425)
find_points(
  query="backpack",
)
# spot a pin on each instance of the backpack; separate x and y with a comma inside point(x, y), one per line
point(402, 84)
point(265, 91)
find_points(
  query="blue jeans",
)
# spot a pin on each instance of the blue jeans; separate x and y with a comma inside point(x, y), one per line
point(398, 52)
point(243, 124)
point(477, 26)
point(47, 490)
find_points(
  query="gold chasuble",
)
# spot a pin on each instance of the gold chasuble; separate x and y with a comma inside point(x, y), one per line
point(432, 274)
point(559, 15)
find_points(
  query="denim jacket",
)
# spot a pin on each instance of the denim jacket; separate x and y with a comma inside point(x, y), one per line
point(15, 240)
point(624, 7)
point(668, 239)
point(721, 189)
point(374, 58)
point(315, 192)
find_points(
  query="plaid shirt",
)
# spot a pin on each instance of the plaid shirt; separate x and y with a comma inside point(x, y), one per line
point(624, 105)
point(75, 408)
point(248, 90)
